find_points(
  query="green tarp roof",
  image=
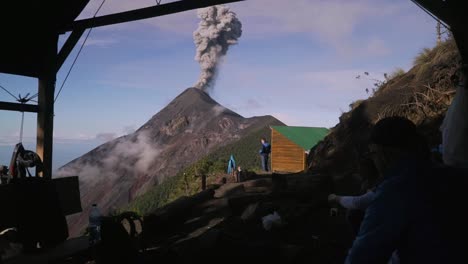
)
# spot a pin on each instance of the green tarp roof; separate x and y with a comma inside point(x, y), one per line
point(305, 137)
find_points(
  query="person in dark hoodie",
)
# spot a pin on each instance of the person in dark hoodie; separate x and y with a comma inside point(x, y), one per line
point(265, 153)
point(410, 212)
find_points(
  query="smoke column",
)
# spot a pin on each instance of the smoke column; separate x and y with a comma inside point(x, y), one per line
point(218, 29)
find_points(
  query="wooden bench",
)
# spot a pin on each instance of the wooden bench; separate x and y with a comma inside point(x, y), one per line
point(22, 207)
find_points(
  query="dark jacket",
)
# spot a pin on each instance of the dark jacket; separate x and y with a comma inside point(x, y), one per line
point(415, 212)
point(266, 149)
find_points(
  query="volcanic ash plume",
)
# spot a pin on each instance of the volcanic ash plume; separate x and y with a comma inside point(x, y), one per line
point(218, 29)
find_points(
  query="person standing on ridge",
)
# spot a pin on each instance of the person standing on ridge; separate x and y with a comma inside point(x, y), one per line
point(239, 174)
point(231, 166)
point(265, 153)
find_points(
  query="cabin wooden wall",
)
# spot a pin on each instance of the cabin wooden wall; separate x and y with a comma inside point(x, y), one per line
point(286, 156)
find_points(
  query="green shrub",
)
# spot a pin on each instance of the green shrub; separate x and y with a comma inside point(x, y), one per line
point(396, 73)
point(423, 57)
point(187, 182)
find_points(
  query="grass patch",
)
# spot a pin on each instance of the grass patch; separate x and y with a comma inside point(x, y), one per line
point(187, 182)
point(398, 72)
point(423, 57)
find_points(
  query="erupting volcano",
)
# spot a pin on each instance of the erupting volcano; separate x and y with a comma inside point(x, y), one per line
point(188, 128)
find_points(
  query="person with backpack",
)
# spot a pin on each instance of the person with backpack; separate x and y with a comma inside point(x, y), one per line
point(265, 153)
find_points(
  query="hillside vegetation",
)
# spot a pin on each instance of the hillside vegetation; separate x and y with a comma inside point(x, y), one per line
point(422, 95)
point(188, 181)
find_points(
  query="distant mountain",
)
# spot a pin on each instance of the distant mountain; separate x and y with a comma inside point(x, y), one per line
point(188, 128)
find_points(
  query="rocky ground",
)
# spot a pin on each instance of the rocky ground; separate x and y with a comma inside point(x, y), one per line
point(224, 224)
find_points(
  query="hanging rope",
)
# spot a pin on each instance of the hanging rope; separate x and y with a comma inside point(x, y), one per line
point(78, 54)
point(24, 100)
point(33, 96)
point(5, 89)
point(21, 128)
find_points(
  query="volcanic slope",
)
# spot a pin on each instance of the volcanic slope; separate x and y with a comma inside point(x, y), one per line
point(187, 129)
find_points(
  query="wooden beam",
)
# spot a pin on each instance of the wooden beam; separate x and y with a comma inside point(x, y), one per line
point(438, 8)
point(144, 13)
point(453, 13)
point(68, 46)
point(18, 107)
point(45, 116)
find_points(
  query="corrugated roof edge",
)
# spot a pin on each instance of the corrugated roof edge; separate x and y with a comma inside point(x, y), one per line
point(301, 135)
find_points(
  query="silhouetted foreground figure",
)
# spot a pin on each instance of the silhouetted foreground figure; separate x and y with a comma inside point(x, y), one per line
point(414, 209)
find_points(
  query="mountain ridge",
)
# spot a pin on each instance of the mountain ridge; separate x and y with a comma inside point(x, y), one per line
point(187, 129)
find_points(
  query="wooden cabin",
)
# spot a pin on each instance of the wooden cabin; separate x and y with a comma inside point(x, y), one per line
point(290, 145)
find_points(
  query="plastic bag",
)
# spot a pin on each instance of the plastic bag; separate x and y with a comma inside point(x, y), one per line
point(271, 220)
point(455, 131)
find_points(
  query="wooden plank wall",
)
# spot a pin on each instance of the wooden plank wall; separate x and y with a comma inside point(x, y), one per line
point(286, 156)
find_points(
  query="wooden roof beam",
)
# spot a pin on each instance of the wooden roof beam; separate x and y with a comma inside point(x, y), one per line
point(19, 107)
point(438, 8)
point(451, 12)
point(68, 46)
point(143, 13)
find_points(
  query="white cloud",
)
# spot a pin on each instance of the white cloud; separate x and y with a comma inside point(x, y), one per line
point(301, 97)
point(141, 149)
point(311, 118)
point(99, 42)
point(332, 21)
point(377, 47)
point(106, 136)
point(145, 74)
point(128, 130)
point(327, 18)
point(13, 140)
point(287, 119)
point(332, 81)
point(252, 104)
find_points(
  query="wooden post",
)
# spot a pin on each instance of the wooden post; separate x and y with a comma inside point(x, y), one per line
point(45, 116)
point(272, 144)
point(304, 161)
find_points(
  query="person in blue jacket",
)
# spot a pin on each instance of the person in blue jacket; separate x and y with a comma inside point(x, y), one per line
point(410, 212)
point(265, 153)
point(231, 165)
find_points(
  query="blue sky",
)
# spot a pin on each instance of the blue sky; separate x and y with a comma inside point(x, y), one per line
point(297, 60)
